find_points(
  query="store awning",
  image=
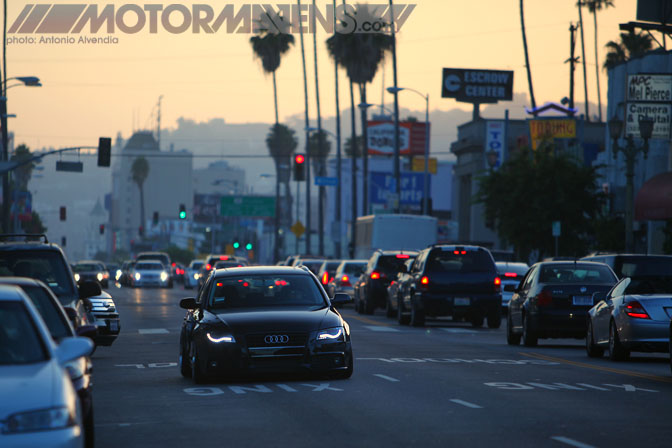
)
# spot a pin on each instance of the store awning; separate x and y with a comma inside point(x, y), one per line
point(654, 200)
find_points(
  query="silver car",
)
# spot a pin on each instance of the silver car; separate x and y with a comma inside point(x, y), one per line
point(510, 274)
point(634, 316)
point(150, 273)
point(345, 277)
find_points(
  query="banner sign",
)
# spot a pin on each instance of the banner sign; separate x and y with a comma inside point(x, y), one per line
point(381, 138)
point(494, 143)
point(659, 112)
point(645, 88)
point(382, 185)
point(206, 207)
point(249, 206)
point(549, 129)
point(477, 86)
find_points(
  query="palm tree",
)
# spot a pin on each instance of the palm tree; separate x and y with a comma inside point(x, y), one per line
point(527, 56)
point(307, 140)
point(139, 173)
point(632, 45)
point(319, 148)
point(321, 137)
point(594, 6)
point(583, 63)
point(271, 42)
point(355, 149)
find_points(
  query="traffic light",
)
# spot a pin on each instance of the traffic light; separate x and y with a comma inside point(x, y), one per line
point(104, 151)
point(299, 167)
point(102, 229)
point(236, 244)
point(141, 231)
point(183, 212)
point(248, 246)
point(62, 213)
point(155, 219)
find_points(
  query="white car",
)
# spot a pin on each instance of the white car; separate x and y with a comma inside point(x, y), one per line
point(192, 273)
point(39, 405)
point(150, 273)
point(510, 273)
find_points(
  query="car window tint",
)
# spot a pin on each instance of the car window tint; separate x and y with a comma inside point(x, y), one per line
point(648, 266)
point(20, 342)
point(48, 309)
point(575, 273)
point(47, 266)
point(460, 261)
point(354, 268)
point(390, 264)
point(653, 284)
point(254, 291)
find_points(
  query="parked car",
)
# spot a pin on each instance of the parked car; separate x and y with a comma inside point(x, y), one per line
point(450, 280)
point(39, 405)
point(192, 273)
point(263, 319)
point(371, 287)
point(553, 300)
point(511, 274)
point(633, 316)
point(150, 273)
point(629, 265)
point(327, 271)
point(345, 277)
point(162, 257)
point(92, 271)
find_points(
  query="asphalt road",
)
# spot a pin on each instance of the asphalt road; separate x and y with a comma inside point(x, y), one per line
point(445, 385)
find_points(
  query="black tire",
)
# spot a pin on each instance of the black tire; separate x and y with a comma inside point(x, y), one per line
point(185, 366)
point(417, 316)
point(511, 337)
point(495, 318)
point(592, 350)
point(477, 320)
point(89, 430)
point(196, 372)
point(616, 350)
point(530, 338)
point(403, 319)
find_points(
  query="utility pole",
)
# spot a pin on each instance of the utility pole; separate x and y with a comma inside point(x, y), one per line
point(158, 123)
point(337, 241)
point(583, 55)
point(572, 62)
point(397, 143)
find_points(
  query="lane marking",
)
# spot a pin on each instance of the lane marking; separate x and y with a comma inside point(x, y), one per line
point(153, 331)
point(647, 376)
point(571, 442)
point(385, 377)
point(458, 330)
point(380, 328)
point(466, 403)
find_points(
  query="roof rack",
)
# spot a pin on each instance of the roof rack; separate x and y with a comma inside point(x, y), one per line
point(25, 236)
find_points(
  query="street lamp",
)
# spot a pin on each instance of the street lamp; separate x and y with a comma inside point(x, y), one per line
point(630, 151)
point(425, 189)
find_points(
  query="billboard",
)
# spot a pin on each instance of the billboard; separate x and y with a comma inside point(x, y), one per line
point(477, 86)
point(549, 129)
point(206, 207)
point(382, 185)
point(248, 206)
point(649, 87)
point(659, 112)
point(381, 138)
point(495, 142)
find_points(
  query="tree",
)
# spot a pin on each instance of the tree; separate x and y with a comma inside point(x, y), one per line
point(593, 7)
point(23, 173)
point(583, 64)
point(555, 187)
point(281, 143)
point(348, 147)
point(319, 150)
point(527, 56)
point(139, 172)
point(34, 225)
point(631, 45)
point(182, 256)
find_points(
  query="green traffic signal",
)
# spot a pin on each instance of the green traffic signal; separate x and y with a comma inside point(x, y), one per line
point(183, 215)
point(248, 246)
point(236, 245)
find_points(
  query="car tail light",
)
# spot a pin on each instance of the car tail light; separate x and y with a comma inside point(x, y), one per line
point(544, 298)
point(424, 283)
point(635, 309)
point(345, 281)
point(208, 267)
point(375, 275)
point(510, 275)
point(498, 284)
point(224, 257)
point(404, 256)
point(174, 264)
point(325, 278)
point(456, 252)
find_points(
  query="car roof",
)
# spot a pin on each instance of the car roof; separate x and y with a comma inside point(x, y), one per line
point(11, 293)
point(457, 246)
point(28, 245)
point(569, 263)
point(261, 270)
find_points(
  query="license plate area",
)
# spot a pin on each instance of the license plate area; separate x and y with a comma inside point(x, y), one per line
point(461, 301)
point(582, 300)
point(114, 325)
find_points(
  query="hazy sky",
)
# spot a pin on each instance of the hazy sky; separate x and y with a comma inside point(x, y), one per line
point(95, 90)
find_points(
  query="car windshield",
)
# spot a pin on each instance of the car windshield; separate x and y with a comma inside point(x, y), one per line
point(20, 342)
point(47, 266)
point(462, 261)
point(576, 273)
point(653, 284)
point(314, 266)
point(391, 264)
point(354, 268)
point(87, 267)
point(259, 291)
point(646, 266)
point(149, 267)
point(197, 264)
point(50, 312)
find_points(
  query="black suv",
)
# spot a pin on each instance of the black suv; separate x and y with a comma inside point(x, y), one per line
point(448, 280)
point(371, 288)
point(631, 265)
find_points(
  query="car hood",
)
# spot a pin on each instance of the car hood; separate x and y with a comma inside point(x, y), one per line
point(29, 387)
point(271, 319)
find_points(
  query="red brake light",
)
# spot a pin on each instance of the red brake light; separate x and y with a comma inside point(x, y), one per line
point(544, 298)
point(464, 252)
point(498, 284)
point(635, 309)
point(405, 256)
point(456, 252)
point(345, 281)
point(325, 278)
point(424, 280)
point(510, 274)
point(375, 275)
point(174, 264)
point(208, 267)
point(245, 284)
point(224, 257)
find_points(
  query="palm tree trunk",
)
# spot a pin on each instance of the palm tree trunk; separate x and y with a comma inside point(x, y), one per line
point(320, 137)
point(597, 70)
point(275, 99)
point(527, 56)
point(365, 152)
point(276, 245)
point(583, 56)
point(353, 147)
point(305, 91)
point(337, 242)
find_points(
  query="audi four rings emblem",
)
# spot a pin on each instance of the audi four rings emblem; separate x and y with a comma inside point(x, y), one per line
point(276, 339)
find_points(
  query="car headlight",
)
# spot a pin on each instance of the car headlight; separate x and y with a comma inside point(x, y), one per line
point(118, 274)
point(196, 276)
point(99, 276)
point(336, 334)
point(164, 276)
point(45, 419)
point(219, 338)
point(77, 277)
point(137, 276)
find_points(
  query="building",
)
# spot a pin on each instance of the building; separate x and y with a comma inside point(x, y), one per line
point(95, 232)
point(169, 184)
point(219, 178)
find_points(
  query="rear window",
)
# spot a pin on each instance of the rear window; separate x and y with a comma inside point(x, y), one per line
point(576, 273)
point(261, 290)
point(646, 266)
point(46, 265)
point(197, 265)
point(391, 264)
point(650, 285)
point(450, 260)
point(354, 268)
point(512, 270)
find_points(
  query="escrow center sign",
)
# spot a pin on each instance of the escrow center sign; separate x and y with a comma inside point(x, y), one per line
point(477, 86)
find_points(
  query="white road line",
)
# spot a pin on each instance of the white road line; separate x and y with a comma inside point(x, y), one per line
point(153, 331)
point(458, 330)
point(571, 442)
point(385, 377)
point(381, 328)
point(466, 403)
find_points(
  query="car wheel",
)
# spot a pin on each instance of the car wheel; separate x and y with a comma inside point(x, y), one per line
point(196, 372)
point(403, 319)
point(417, 316)
point(89, 430)
point(592, 350)
point(530, 338)
point(616, 350)
point(477, 320)
point(185, 367)
point(495, 318)
point(511, 337)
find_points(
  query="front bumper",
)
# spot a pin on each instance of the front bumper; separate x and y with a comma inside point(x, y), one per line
point(109, 327)
point(457, 305)
point(151, 281)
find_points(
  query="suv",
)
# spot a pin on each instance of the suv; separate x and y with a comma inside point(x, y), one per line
point(163, 258)
point(383, 267)
point(34, 257)
point(448, 280)
point(632, 265)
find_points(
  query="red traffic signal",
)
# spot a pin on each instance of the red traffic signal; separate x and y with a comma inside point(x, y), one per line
point(299, 158)
point(299, 167)
point(102, 229)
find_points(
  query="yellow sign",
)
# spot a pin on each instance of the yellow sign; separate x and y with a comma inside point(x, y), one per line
point(298, 229)
point(550, 129)
point(230, 250)
point(418, 164)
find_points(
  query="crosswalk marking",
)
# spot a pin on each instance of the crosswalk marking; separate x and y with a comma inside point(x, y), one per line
point(153, 331)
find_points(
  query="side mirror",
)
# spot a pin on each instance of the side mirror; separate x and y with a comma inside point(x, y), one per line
point(599, 296)
point(188, 303)
point(87, 331)
point(72, 348)
point(89, 289)
point(341, 299)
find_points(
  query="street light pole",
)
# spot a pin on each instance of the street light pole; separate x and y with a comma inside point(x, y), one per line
point(397, 167)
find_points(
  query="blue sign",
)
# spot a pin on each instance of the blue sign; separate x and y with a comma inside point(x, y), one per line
point(382, 184)
point(322, 181)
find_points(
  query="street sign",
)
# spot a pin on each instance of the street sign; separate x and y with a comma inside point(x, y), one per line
point(298, 229)
point(382, 186)
point(551, 128)
point(557, 228)
point(418, 164)
point(251, 206)
point(412, 135)
point(661, 114)
point(649, 87)
point(73, 167)
point(477, 86)
point(322, 181)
